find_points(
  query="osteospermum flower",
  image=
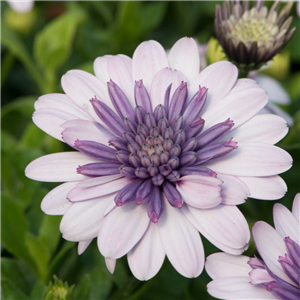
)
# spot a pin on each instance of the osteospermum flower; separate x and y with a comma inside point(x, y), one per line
point(251, 37)
point(276, 276)
point(163, 152)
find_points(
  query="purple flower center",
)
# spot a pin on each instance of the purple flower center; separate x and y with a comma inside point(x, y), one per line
point(154, 148)
point(290, 263)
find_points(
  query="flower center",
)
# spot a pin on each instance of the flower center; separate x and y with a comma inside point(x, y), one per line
point(154, 148)
point(252, 27)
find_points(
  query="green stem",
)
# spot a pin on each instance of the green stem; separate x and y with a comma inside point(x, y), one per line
point(7, 63)
point(127, 290)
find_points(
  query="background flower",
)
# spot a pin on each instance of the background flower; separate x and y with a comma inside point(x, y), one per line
point(276, 276)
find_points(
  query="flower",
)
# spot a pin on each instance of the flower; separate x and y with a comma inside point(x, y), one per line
point(276, 276)
point(21, 7)
point(145, 180)
point(251, 37)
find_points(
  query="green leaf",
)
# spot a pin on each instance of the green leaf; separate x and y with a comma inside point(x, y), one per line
point(39, 252)
point(39, 290)
point(53, 44)
point(16, 46)
point(82, 290)
point(13, 237)
point(49, 231)
point(11, 292)
point(17, 273)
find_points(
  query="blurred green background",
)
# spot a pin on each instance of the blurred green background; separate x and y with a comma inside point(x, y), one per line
point(37, 48)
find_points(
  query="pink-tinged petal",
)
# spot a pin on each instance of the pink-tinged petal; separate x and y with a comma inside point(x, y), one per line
point(50, 121)
point(200, 191)
point(253, 159)
point(121, 229)
point(184, 56)
point(225, 265)
point(270, 246)
point(120, 71)
point(265, 188)
point(296, 207)
point(82, 246)
point(237, 288)
point(56, 202)
point(82, 221)
point(285, 223)
point(239, 107)
point(234, 191)
point(98, 180)
point(223, 225)
point(63, 103)
point(181, 242)
point(148, 59)
point(101, 68)
point(147, 256)
point(268, 129)
point(106, 188)
point(85, 130)
point(57, 167)
point(81, 87)
point(110, 264)
point(271, 108)
point(161, 82)
point(219, 78)
point(277, 93)
point(110, 207)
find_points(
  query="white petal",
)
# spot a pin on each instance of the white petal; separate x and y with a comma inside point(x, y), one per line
point(244, 83)
point(296, 207)
point(110, 264)
point(101, 68)
point(82, 246)
point(181, 242)
point(161, 82)
point(275, 90)
point(98, 180)
point(81, 87)
point(265, 188)
point(268, 129)
point(234, 191)
point(253, 159)
point(56, 202)
point(85, 130)
point(121, 229)
point(223, 225)
point(271, 108)
point(225, 265)
point(148, 58)
point(184, 56)
point(50, 121)
point(57, 167)
point(82, 221)
point(120, 71)
point(237, 288)
point(202, 193)
point(106, 188)
point(147, 256)
point(219, 78)
point(285, 223)
point(270, 246)
point(61, 102)
point(239, 107)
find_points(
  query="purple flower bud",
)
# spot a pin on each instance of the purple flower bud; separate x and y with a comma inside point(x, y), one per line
point(174, 162)
point(141, 96)
point(127, 171)
point(158, 179)
point(155, 205)
point(134, 160)
point(175, 151)
point(144, 192)
point(172, 195)
point(173, 176)
point(165, 169)
point(123, 156)
point(152, 170)
point(141, 173)
point(188, 158)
